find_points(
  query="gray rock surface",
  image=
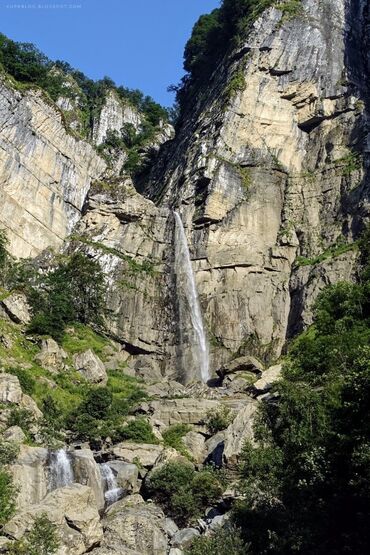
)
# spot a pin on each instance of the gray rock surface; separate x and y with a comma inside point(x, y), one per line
point(17, 308)
point(91, 367)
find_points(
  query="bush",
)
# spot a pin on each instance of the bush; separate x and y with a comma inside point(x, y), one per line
point(139, 431)
point(218, 421)
point(22, 418)
point(26, 380)
point(173, 437)
point(225, 541)
point(98, 403)
point(42, 539)
point(7, 497)
point(183, 493)
point(8, 452)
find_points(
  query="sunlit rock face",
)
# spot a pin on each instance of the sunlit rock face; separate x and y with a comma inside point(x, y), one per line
point(45, 173)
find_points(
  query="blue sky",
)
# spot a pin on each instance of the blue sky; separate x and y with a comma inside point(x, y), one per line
point(138, 43)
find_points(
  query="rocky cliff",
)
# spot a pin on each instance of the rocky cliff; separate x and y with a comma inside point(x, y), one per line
point(268, 170)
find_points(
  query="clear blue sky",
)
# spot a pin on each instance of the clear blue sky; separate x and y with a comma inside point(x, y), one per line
point(138, 43)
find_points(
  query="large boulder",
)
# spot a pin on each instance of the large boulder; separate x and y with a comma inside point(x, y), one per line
point(10, 389)
point(135, 530)
point(195, 444)
point(241, 364)
point(73, 509)
point(91, 367)
point(30, 475)
point(184, 538)
point(127, 475)
point(168, 412)
point(267, 380)
point(87, 472)
point(240, 430)
point(144, 454)
point(17, 308)
point(52, 357)
point(14, 434)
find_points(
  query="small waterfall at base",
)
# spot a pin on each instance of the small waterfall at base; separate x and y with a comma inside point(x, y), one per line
point(187, 293)
point(60, 470)
point(112, 491)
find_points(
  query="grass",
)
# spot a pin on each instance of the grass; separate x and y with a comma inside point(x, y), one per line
point(172, 437)
point(235, 85)
point(350, 163)
point(81, 338)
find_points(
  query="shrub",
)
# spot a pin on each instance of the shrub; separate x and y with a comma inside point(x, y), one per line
point(225, 541)
point(173, 437)
point(26, 380)
point(8, 452)
point(7, 497)
point(183, 493)
point(138, 430)
point(218, 421)
point(98, 403)
point(22, 418)
point(42, 539)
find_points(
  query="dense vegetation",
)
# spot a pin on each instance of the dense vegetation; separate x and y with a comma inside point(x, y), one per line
point(42, 539)
point(307, 483)
point(184, 493)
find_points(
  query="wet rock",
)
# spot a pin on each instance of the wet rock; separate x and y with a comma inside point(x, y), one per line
point(87, 472)
point(127, 475)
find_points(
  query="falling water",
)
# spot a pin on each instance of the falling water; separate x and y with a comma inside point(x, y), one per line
point(187, 292)
point(60, 470)
point(112, 491)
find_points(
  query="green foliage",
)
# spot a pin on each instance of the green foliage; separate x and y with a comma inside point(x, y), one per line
point(219, 420)
point(42, 539)
point(184, 493)
point(331, 252)
point(26, 380)
point(225, 541)
point(172, 437)
point(72, 292)
point(7, 496)
point(306, 483)
point(235, 85)
point(4, 256)
point(98, 402)
point(138, 431)
point(21, 417)
point(8, 452)
point(350, 163)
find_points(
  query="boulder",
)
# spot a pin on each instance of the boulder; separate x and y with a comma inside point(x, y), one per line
point(30, 475)
point(52, 357)
point(240, 430)
point(29, 404)
point(137, 530)
point(14, 434)
point(164, 389)
point(184, 538)
point(91, 367)
point(10, 389)
point(86, 472)
point(73, 509)
point(241, 364)
point(17, 308)
point(266, 381)
point(170, 527)
point(144, 453)
point(125, 502)
point(127, 475)
point(146, 368)
point(215, 448)
point(195, 444)
point(179, 411)
point(175, 551)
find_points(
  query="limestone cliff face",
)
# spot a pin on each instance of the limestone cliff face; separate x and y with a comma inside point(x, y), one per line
point(272, 171)
point(268, 170)
point(45, 173)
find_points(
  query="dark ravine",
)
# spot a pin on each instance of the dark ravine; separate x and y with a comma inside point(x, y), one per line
point(268, 170)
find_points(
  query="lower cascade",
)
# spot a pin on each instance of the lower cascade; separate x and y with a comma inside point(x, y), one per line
point(189, 302)
point(112, 491)
point(60, 470)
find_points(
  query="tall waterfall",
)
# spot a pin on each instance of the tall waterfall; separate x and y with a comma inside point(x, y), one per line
point(189, 303)
point(60, 470)
point(112, 491)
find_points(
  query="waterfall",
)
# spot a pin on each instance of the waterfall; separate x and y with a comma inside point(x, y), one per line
point(112, 491)
point(189, 303)
point(60, 470)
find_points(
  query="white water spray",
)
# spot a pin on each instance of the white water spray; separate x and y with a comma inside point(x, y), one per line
point(112, 491)
point(187, 293)
point(60, 471)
